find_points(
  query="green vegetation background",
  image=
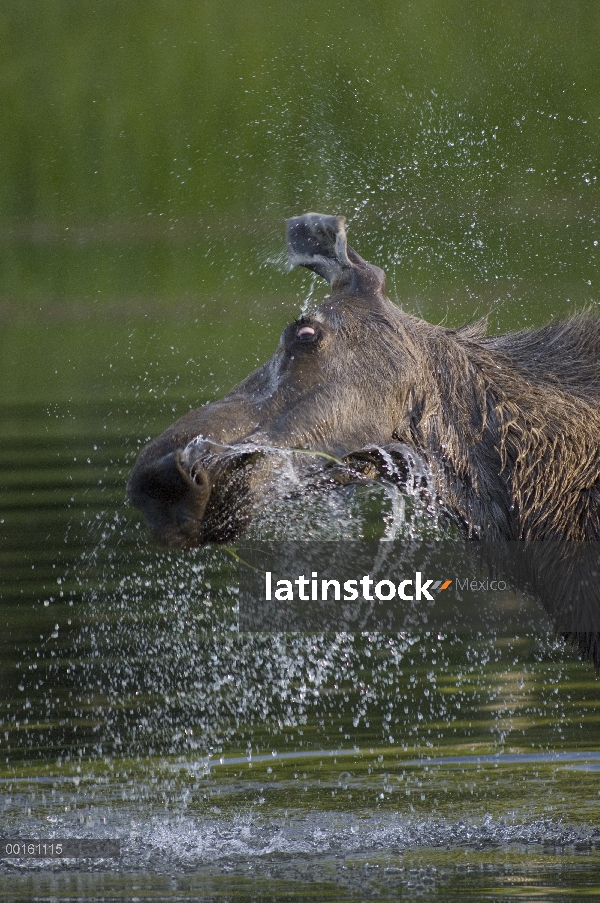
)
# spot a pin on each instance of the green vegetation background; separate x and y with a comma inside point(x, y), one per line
point(149, 152)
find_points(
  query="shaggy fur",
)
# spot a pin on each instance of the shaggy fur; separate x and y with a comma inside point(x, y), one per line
point(511, 425)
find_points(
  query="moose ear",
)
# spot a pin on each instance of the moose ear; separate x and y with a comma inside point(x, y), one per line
point(318, 241)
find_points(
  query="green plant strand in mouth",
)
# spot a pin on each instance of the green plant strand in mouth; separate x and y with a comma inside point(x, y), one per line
point(316, 454)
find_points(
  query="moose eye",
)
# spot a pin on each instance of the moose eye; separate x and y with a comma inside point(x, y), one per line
point(306, 332)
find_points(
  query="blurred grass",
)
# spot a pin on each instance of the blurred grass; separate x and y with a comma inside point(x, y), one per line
point(152, 149)
point(115, 109)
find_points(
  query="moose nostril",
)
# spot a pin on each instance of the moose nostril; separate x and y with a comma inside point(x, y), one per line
point(161, 481)
point(199, 476)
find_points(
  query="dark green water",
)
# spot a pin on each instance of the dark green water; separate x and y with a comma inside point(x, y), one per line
point(148, 156)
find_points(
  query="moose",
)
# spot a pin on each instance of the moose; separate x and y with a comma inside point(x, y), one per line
point(509, 425)
point(504, 429)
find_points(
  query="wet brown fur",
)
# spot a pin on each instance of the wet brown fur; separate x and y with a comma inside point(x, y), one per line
point(510, 425)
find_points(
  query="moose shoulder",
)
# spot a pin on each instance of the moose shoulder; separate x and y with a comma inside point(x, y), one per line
point(507, 426)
